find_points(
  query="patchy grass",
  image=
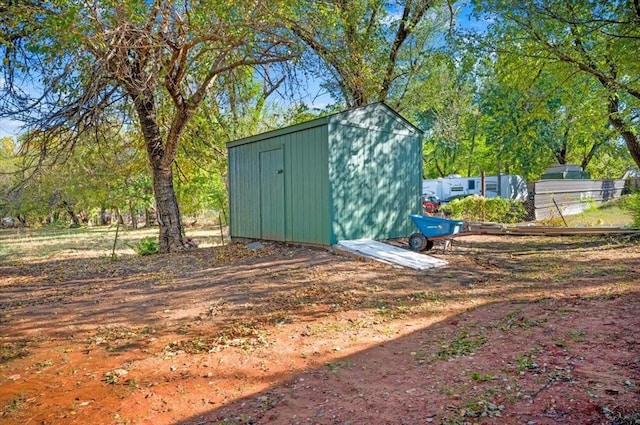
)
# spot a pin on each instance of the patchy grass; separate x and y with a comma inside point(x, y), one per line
point(481, 377)
point(608, 214)
point(14, 406)
point(6, 251)
point(12, 350)
point(334, 367)
point(577, 336)
point(527, 362)
point(463, 345)
point(517, 319)
point(38, 244)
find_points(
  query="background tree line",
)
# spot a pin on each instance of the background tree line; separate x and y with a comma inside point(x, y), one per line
point(128, 105)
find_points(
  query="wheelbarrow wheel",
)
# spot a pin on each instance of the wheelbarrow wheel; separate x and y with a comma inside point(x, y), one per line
point(418, 242)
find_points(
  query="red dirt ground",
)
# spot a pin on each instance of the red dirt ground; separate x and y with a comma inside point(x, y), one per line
point(516, 330)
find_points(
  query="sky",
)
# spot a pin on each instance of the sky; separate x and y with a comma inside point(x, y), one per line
point(8, 128)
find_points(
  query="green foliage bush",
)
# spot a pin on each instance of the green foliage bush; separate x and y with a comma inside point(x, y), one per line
point(632, 203)
point(554, 221)
point(478, 208)
point(146, 246)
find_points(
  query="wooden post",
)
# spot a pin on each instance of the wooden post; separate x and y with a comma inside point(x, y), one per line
point(113, 251)
point(482, 184)
point(560, 212)
point(220, 224)
point(499, 179)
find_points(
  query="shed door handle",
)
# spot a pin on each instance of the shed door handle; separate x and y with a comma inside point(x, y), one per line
point(279, 171)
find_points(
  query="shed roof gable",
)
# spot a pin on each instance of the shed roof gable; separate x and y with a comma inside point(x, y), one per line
point(378, 116)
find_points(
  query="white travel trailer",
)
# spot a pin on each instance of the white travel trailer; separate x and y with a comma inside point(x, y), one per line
point(509, 186)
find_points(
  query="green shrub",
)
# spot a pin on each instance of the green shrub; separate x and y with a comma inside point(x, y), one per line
point(554, 221)
point(632, 203)
point(478, 208)
point(145, 246)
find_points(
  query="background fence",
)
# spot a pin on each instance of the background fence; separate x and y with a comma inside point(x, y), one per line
point(550, 197)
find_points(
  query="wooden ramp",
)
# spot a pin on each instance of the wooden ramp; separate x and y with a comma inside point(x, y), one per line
point(391, 254)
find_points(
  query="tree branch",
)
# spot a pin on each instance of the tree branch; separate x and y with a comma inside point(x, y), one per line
point(406, 27)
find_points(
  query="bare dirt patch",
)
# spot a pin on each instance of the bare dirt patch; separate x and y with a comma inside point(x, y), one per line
point(514, 330)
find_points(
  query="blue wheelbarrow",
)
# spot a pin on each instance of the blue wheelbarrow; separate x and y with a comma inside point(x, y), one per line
point(432, 228)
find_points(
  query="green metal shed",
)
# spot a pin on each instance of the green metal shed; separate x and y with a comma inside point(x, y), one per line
point(355, 174)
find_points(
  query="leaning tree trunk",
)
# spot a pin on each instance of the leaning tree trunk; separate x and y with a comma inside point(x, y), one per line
point(72, 214)
point(624, 129)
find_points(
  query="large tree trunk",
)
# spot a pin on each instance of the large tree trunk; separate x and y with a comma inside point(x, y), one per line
point(161, 156)
point(168, 213)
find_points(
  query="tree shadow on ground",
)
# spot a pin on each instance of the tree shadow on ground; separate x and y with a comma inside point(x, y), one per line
point(527, 297)
point(544, 361)
point(60, 298)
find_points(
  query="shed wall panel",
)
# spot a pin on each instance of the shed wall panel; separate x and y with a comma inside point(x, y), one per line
point(307, 188)
point(305, 206)
point(376, 182)
point(244, 192)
